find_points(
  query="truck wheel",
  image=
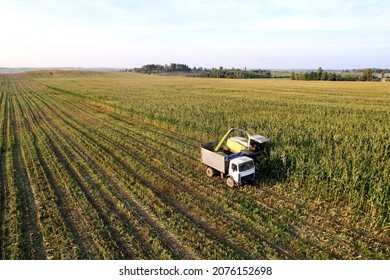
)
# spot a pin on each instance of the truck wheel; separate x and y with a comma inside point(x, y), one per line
point(230, 182)
point(209, 172)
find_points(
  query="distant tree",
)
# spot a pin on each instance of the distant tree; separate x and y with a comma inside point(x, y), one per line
point(332, 77)
point(367, 74)
point(312, 76)
point(293, 75)
point(324, 76)
point(319, 73)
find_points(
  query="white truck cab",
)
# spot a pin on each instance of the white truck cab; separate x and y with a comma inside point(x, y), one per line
point(242, 170)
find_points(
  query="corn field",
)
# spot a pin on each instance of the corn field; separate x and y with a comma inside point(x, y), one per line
point(101, 165)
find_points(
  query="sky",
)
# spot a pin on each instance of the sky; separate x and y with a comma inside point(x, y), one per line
point(265, 34)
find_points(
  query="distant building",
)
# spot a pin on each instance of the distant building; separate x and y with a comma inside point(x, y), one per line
point(385, 77)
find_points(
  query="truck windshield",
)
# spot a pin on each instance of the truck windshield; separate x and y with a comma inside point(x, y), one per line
point(246, 166)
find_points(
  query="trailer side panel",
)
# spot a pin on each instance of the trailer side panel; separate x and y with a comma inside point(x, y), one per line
point(212, 159)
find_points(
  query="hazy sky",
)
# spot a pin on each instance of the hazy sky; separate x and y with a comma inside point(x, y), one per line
point(265, 34)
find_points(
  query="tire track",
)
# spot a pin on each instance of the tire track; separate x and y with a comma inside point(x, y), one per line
point(31, 245)
point(3, 171)
point(87, 177)
point(176, 248)
point(121, 244)
point(97, 237)
point(60, 201)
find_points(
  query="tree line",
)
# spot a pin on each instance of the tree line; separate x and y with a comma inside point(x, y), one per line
point(203, 72)
point(232, 73)
point(157, 68)
point(367, 74)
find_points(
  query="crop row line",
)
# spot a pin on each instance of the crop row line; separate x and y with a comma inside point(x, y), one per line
point(77, 204)
point(139, 209)
point(52, 195)
point(3, 172)
point(88, 186)
point(31, 244)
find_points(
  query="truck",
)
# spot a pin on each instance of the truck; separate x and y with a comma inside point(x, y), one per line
point(237, 168)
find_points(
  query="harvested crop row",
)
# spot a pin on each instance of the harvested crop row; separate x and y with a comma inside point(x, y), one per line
point(81, 182)
point(4, 192)
point(75, 201)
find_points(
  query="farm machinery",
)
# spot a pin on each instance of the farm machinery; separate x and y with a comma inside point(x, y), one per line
point(234, 160)
point(254, 146)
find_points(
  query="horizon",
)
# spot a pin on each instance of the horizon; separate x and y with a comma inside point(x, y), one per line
point(256, 34)
point(23, 68)
point(14, 70)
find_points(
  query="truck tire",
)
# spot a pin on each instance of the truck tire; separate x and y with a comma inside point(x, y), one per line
point(230, 182)
point(210, 172)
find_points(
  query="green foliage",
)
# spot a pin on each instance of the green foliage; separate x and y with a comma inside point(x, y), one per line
point(327, 76)
point(204, 73)
point(367, 74)
point(157, 68)
point(232, 73)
